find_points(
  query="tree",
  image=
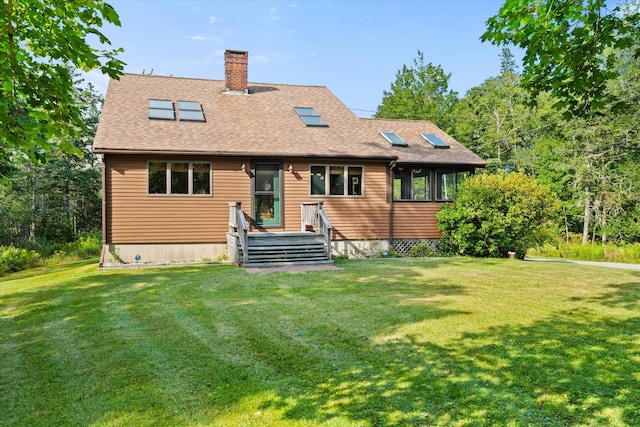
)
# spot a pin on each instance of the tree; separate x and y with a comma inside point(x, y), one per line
point(420, 92)
point(494, 214)
point(492, 119)
point(566, 47)
point(41, 43)
point(56, 200)
point(570, 52)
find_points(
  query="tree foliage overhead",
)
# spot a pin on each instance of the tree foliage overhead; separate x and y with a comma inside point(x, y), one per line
point(420, 92)
point(567, 47)
point(41, 44)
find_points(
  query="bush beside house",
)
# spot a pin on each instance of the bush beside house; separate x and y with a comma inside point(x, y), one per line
point(493, 215)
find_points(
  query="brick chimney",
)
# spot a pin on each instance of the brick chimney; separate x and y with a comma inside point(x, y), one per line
point(236, 65)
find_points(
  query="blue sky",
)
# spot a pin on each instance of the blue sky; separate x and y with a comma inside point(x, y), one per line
point(353, 47)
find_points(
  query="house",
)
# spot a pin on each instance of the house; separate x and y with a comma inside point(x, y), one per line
point(191, 167)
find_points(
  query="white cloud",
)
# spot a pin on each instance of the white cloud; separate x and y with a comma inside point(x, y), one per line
point(196, 38)
point(273, 14)
point(214, 19)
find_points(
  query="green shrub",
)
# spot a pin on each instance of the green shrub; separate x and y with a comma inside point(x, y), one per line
point(494, 214)
point(421, 250)
point(87, 245)
point(612, 252)
point(16, 259)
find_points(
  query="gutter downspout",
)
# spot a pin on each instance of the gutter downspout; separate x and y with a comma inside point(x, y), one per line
point(392, 166)
point(104, 208)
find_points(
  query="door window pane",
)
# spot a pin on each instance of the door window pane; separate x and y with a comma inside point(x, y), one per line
point(266, 178)
point(265, 207)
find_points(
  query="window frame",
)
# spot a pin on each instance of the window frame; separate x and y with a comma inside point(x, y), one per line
point(311, 114)
point(345, 176)
point(157, 106)
point(190, 178)
point(394, 139)
point(187, 111)
point(438, 184)
point(412, 168)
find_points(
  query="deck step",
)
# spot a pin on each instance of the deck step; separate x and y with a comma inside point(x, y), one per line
point(286, 248)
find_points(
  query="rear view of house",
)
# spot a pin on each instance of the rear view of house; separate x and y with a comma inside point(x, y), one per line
point(197, 169)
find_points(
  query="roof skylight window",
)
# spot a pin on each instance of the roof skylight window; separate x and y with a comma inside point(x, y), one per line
point(310, 117)
point(161, 109)
point(394, 139)
point(190, 111)
point(434, 140)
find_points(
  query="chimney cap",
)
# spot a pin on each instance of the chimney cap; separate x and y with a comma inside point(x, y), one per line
point(236, 51)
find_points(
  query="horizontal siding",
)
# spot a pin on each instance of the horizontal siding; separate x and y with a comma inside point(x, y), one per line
point(362, 217)
point(415, 220)
point(135, 217)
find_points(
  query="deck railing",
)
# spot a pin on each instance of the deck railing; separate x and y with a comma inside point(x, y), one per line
point(238, 224)
point(313, 215)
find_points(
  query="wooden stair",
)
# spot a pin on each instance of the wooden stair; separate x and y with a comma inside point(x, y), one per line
point(268, 249)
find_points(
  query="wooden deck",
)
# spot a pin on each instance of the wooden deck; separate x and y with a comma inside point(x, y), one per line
point(268, 249)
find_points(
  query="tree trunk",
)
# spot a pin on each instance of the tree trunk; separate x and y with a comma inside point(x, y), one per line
point(603, 224)
point(34, 207)
point(587, 215)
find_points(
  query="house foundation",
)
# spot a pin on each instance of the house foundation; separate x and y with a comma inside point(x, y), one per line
point(165, 253)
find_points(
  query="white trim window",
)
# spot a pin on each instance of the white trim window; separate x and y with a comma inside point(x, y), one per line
point(337, 180)
point(182, 178)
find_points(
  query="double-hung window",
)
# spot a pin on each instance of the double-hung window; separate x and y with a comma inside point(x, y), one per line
point(179, 178)
point(333, 180)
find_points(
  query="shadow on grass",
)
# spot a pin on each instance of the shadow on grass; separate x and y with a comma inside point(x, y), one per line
point(192, 345)
point(180, 346)
point(624, 295)
point(564, 371)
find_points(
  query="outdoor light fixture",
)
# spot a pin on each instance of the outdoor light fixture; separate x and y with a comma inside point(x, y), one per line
point(243, 168)
point(290, 168)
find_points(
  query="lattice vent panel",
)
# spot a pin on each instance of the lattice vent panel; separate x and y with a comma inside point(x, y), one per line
point(403, 246)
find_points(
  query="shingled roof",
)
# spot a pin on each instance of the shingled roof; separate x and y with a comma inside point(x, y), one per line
point(260, 121)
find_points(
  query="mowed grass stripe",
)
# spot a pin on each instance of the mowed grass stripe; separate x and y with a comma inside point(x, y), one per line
point(384, 342)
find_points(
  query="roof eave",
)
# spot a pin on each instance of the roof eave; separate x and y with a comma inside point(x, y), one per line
point(243, 154)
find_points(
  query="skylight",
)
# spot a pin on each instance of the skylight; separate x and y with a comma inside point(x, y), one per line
point(191, 111)
point(394, 139)
point(161, 109)
point(434, 140)
point(310, 117)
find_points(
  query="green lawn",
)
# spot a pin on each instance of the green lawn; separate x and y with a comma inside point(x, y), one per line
point(395, 342)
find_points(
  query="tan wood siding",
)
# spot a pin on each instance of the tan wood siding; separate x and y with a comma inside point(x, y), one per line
point(364, 217)
point(415, 220)
point(136, 217)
